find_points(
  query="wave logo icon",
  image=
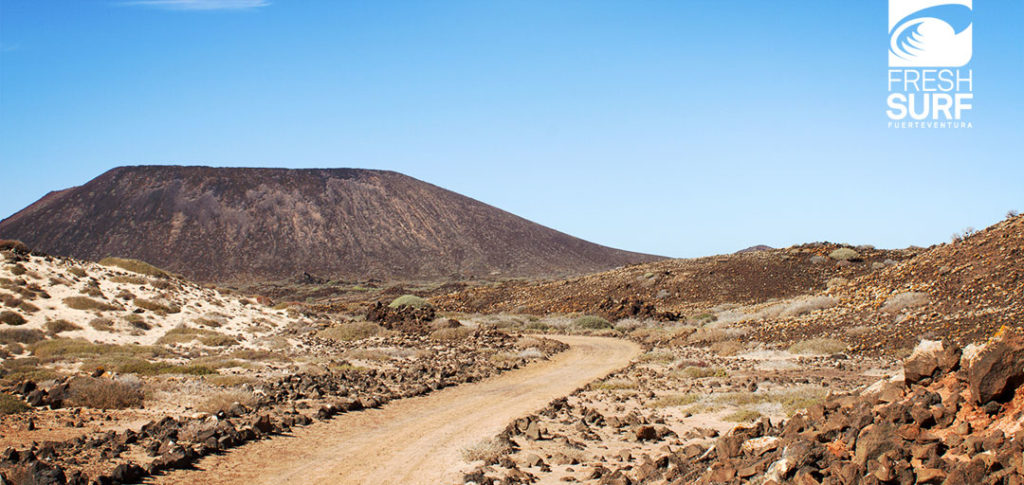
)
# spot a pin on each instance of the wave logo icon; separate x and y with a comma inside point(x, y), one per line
point(930, 33)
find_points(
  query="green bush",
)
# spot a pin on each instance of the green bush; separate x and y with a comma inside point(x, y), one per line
point(844, 254)
point(12, 405)
point(136, 266)
point(11, 318)
point(147, 368)
point(409, 301)
point(591, 322)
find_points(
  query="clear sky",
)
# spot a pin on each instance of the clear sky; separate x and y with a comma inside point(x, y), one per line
point(682, 128)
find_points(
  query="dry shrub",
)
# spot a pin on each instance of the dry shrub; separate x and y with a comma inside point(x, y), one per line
point(59, 348)
point(99, 393)
point(13, 245)
point(743, 416)
point(697, 372)
point(184, 334)
point(727, 347)
point(223, 400)
point(21, 335)
point(79, 272)
point(160, 308)
point(837, 281)
point(130, 279)
point(135, 266)
point(807, 305)
point(351, 331)
point(11, 318)
point(657, 356)
point(820, 346)
point(489, 451)
point(615, 384)
point(451, 334)
point(901, 301)
point(102, 324)
point(86, 303)
point(207, 322)
point(844, 254)
point(674, 400)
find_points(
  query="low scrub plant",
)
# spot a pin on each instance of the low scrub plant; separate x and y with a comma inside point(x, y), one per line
point(135, 266)
point(901, 301)
point(105, 393)
point(743, 416)
point(409, 301)
point(803, 306)
point(21, 335)
point(451, 334)
point(86, 303)
point(674, 400)
point(185, 334)
point(696, 372)
point(160, 308)
point(12, 405)
point(844, 254)
point(488, 451)
point(222, 400)
point(351, 331)
point(819, 346)
point(11, 318)
point(63, 348)
point(102, 324)
point(591, 322)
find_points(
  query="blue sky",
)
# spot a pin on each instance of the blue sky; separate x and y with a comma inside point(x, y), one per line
point(682, 128)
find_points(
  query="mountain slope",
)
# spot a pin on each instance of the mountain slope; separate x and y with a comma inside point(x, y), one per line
point(246, 224)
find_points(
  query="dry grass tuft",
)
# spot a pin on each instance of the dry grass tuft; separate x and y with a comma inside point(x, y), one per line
point(451, 334)
point(86, 303)
point(351, 331)
point(223, 400)
point(818, 346)
point(136, 266)
point(160, 308)
point(21, 335)
point(674, 400)
point(106, 393)
point(902, 301)
point(489, 451)
point(209, 338)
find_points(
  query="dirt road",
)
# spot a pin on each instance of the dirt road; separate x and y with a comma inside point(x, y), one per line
point(411, 441)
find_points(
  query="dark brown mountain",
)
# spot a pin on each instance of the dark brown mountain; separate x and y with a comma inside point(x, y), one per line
point(248, 224)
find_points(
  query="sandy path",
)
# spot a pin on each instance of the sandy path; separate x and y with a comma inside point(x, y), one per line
point(411, 441)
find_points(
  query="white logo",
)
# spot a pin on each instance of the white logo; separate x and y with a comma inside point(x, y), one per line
point(930, 33)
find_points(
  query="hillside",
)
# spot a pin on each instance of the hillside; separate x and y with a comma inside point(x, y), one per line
point(964, 292)
point(249, 224)
point(679, 286)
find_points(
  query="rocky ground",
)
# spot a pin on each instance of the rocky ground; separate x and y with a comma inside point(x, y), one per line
point(677, 400)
